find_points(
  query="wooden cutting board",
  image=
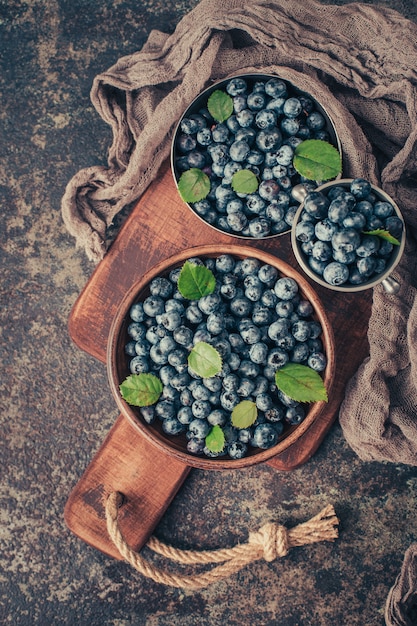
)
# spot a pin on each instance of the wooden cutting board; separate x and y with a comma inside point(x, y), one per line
point(160, 225)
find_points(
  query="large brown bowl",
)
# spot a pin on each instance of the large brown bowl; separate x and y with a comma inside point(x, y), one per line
point(118, 361)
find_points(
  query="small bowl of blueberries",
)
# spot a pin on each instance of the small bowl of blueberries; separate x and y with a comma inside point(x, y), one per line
point(212, 352)
point(349, 235)
point(233, 150)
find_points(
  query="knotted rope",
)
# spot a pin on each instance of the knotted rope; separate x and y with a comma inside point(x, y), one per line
point(269, 542)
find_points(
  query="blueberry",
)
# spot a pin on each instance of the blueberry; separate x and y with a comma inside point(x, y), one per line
point(279, 328)
point(295, 415)
point(338, 210)
point(219, 153)
point(265, 436)
point(130, 348)
point(258, 352)
point(239, 151)
point(183, 336)
point(317, 361)
point(322, 251)
point(259, 227)
point(301, 330)
point(217, 417)
point(237, 221)
point(148, 414)
point(256, 101)
point(360, 188)
point(170, 320)
point(245, 118)
point(204, 137)
point(269, 190)
point(249, 369)
point(336, 273)
point(264, 402)
point(286, 288)
point(142, 347)
point(198, 428)
point(346, 240)
point(369, 245)
point(275, 88)
point(290, 126)
point(366, 266)
point(267, 118)
point(269, 139)
point(240, 102)
point(139, 365)
point(186, 143)
point(209, 303)
point(394, 226)
point(316, 204)
point(237, 449)
point(193, 314)
point(277, 358)
point(354, 219)
point(136, 312)
point(201, 409)
point(236, 86)
point(292, 107)
point(195, 445)
point(229, 399)
point(165, 409)
point(136, 331)
point(300, 353)
point(304, 231)
point(275, 415)
point(241, 306)
point(254, 203)
point(153, 306)
point(315, 121)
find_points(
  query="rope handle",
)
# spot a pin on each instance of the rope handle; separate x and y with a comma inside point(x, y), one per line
point(269, 542)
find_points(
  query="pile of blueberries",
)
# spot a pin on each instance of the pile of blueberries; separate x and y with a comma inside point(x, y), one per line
point(257, 319)
point(269, 120)
point(333, 233)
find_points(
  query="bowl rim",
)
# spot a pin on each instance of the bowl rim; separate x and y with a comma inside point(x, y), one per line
point(163, 442)
point(202, 96)
point(300, 256)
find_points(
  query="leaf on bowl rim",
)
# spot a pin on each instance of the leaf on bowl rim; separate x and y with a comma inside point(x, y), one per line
point(383, 234)
point(317, 160)
point(301, 383)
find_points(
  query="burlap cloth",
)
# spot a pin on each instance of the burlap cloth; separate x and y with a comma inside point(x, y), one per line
point(360, 62)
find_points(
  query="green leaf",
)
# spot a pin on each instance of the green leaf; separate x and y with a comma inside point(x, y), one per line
point(244, 414)
point(244, 181)
point(301, 383)
point(317, 160)
point(193, 185)
point(383, 234)
point(195, 281)
point(204, 360)
point(220, 105)
point(215, 440)
point(141, 389)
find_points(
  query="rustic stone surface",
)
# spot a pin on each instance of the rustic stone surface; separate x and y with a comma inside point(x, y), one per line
point(56, 407)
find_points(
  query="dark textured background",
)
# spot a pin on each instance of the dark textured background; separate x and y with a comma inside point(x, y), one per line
point(56, 406)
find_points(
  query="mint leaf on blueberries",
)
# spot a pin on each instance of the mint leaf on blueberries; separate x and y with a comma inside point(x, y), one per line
point(193, 185)
point(301, 383)
point(215, 440)
point(141, 389)
point(383, 234)
point(244, 414)
point(244, 181)
point(204, 360)
point(195, 281)
point(317, 160)
point(220, 105)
